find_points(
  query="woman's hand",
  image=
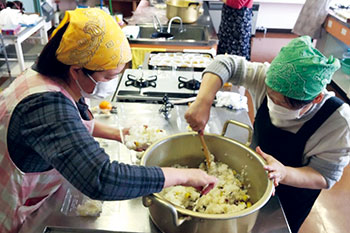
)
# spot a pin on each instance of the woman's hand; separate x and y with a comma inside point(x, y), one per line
point(102, 130)
point(196, 178)
point(142, 148)
point(197, 115)
point(277, 171)
point(120, 138)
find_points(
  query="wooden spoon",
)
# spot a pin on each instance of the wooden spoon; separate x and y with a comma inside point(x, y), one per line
point(205, 149)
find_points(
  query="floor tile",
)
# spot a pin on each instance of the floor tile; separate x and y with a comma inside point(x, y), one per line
point(333, 207)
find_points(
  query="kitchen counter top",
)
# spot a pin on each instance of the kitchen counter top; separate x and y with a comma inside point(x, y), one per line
point(130, 215)
point(339, 18)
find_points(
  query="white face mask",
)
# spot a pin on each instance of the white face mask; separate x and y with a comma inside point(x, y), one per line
point(282, 113)
point(101, 90)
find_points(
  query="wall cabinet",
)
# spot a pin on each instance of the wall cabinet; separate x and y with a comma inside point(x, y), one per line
point(335, 40)
point(339, 30)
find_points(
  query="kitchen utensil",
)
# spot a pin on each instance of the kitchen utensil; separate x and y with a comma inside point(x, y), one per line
point(205, 149)
point(187, 10)
point(184, 149)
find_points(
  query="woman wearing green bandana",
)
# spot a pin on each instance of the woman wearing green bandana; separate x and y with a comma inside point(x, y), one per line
point(300, 129)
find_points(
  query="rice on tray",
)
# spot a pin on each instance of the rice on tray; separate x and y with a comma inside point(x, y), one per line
point(229, 195)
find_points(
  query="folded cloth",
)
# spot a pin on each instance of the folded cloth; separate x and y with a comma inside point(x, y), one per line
point(29, 20)
point(13, 17)
point(231, 100)
point(10, 17)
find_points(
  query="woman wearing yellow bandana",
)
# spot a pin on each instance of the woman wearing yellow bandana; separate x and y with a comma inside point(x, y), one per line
point(47, 133)
point(300, 129)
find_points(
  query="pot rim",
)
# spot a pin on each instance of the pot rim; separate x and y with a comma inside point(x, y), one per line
point(256, 206)
point(183, 3)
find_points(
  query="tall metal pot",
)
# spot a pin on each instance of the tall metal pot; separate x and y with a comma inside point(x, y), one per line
point(187, 10)
point(185, 149)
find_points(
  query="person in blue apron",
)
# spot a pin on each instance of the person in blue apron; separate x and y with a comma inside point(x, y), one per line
point(235, 28)
point(300, 129)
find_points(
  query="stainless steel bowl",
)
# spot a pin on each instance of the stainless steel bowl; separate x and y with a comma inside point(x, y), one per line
point(185, 149)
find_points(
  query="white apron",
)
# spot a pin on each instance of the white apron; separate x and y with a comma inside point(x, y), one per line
point(23, 193)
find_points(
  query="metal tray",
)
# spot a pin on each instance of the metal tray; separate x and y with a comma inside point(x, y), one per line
point(49, 229)
point(180, 68)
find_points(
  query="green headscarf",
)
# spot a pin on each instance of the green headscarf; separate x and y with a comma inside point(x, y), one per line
point(300, 71)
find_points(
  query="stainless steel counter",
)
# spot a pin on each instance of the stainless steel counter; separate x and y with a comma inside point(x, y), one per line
point(130, 215)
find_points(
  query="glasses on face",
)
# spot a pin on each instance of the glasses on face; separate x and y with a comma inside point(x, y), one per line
point(91, 78)
point(107, 77)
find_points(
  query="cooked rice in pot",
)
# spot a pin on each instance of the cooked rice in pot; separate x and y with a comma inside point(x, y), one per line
point(228, 196)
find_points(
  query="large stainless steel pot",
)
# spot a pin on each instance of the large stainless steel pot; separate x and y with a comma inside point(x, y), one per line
point(185, 149)
point(187, 10)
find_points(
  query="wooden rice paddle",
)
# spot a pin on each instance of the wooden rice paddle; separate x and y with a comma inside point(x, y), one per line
point(205, 149)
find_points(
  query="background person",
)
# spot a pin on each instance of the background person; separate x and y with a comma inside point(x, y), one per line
point(46, 130)
point(235, 28)
point(311, 18)
point(300, 129)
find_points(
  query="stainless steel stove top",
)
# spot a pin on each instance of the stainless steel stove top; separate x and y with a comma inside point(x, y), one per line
point(152, 85)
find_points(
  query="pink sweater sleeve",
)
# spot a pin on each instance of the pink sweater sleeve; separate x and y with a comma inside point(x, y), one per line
point(238, 4)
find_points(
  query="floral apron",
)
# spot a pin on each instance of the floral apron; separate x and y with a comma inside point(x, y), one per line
point(235, 31)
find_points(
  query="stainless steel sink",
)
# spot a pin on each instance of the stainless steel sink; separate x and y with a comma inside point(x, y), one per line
point(193, 34)
point(189, 32)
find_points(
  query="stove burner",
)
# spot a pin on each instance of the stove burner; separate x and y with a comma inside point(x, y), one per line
point(191, 84)
point(141, 82)
point(343, 6)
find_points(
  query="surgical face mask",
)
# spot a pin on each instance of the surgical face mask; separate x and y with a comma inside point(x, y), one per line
point(282, 113)
point(101, 90)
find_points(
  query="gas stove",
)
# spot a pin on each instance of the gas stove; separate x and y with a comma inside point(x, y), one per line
point(137, 85)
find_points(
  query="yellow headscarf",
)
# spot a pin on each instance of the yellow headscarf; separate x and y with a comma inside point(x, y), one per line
point(93, 40)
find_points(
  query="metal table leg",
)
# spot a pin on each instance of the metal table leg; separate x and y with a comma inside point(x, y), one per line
point(43, 36)
point(3, 48)
point(19, 53)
